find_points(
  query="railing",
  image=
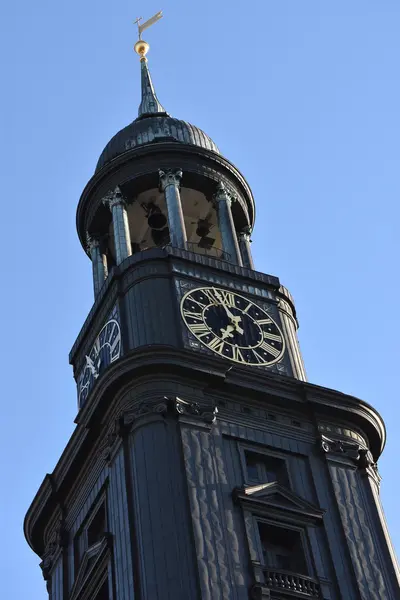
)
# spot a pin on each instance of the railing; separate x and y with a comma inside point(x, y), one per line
point(299, 584)
point(208, 251)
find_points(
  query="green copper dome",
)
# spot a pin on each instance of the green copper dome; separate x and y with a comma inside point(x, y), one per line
point(154, 129)
point(153, 125)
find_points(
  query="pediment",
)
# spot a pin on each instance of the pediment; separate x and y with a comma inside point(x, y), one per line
point(276, 497)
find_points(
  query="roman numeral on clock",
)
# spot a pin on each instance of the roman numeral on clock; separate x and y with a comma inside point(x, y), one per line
point(267, 321)
point(199, 329)
point(270, 349)
point(271, 336)
point(210, 295)
point(217, 345)
point(237, 355)
point(228, 299)
point(192, 315)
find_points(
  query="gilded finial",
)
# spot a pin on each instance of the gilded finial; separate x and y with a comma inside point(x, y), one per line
point(141, 47)
point(150, 104)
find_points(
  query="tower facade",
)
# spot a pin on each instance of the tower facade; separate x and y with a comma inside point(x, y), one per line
point(203, 464)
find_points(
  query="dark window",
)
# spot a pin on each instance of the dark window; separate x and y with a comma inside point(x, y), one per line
point(282, 549)
point(102, 594)
point(97, 526)
point(262, 468)
point(90, 534)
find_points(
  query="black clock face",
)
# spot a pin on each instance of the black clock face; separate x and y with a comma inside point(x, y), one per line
point(105, 350)
point(232, 326)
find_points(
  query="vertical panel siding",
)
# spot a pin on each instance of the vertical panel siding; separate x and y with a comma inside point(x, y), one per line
point(162, 513)
point(119, 526)
point(334, 531)
point(292, 345)
point(150, 316)
point(301, 477)
point(89, 501)
point(361, 539)
point(217, 548)
point(373, 502)
point(84, 511)
point(57, 580)
point(231, 472)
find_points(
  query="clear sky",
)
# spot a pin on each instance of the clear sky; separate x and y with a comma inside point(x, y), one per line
point(302, 95)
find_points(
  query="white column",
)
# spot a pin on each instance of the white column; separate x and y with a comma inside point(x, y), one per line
point(223, 202)
point(122, 237)
point(245, 250)
point(99, 262)
point(170, 184)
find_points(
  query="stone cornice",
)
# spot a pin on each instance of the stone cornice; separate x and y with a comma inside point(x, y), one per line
point(211, 373)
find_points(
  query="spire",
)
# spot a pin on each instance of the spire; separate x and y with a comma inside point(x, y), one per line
point(150, 104)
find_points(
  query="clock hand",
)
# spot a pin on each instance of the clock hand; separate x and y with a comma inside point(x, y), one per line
point(235, 320)
point(91, 367)
point(227, 332)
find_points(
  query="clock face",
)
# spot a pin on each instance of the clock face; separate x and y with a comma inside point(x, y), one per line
point(232, 326)
point(105, 350)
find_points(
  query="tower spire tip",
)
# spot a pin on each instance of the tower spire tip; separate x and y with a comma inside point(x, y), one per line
point(150, 104)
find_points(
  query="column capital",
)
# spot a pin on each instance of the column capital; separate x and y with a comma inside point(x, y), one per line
point(92, 241)
point(170, 177)
point(222, 194)
point(114, 198)
point(245, 233)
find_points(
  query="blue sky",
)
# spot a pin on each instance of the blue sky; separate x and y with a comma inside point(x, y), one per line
point(303, 96)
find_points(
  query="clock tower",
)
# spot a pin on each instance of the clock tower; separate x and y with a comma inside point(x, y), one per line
point(203, 464)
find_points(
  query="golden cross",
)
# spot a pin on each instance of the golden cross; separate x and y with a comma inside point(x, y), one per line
point(138, 24)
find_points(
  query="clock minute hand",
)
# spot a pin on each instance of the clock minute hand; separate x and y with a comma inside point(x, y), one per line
point(235, 320)
point(92, 368)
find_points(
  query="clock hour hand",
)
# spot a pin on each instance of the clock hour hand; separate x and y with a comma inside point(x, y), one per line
point(235, 320)
point(227, 332)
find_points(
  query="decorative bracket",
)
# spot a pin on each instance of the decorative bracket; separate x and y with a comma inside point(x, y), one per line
point(224, 195)
point(57, 541)
point(172, 405)
point(205, 412)
point(115, 198)
point(362, 457)
point(245, 234)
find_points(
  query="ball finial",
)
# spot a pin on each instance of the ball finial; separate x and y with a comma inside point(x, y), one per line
point(141, 47)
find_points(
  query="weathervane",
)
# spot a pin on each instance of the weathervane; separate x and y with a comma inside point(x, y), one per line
point(142, 47)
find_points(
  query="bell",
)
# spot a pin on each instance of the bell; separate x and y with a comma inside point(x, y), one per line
point(203, 228)
point(160, 237)
point(157, 220)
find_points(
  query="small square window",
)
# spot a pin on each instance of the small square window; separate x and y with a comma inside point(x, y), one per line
point(282, 548)
point(262, 468)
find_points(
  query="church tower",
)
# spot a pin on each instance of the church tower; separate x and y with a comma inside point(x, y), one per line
point(203, 465)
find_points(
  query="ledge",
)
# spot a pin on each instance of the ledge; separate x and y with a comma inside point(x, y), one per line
point(208, 373)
